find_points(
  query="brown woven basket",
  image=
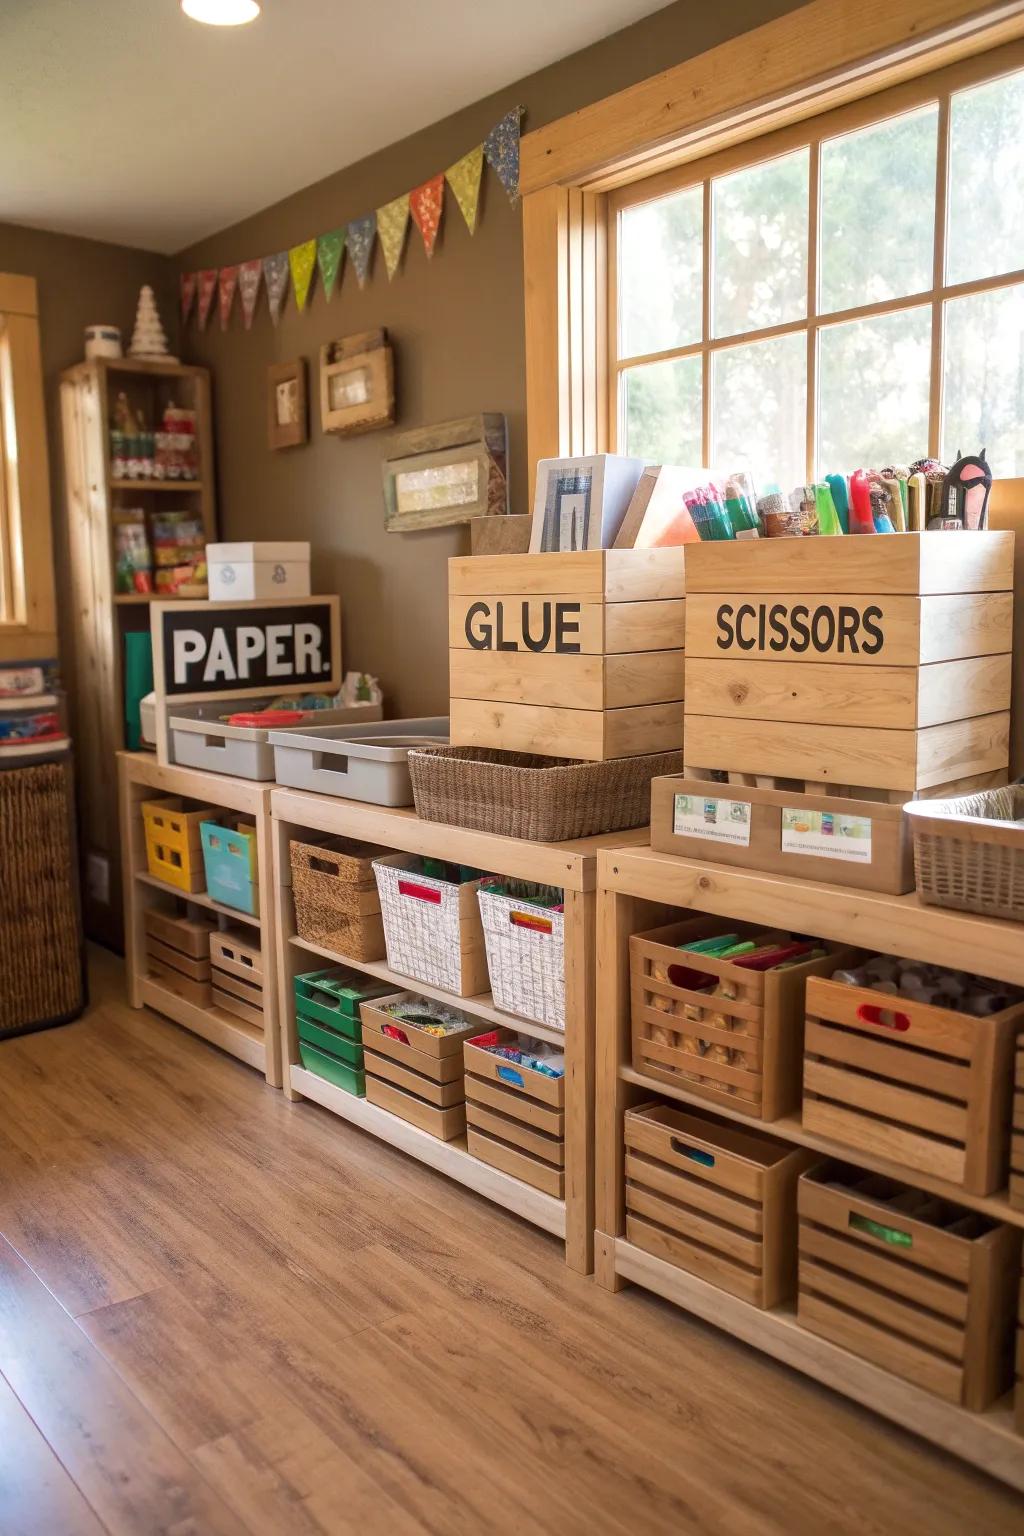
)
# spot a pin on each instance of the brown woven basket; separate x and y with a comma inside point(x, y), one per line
point(336, 900)
point(969, 852)
point(540, 799)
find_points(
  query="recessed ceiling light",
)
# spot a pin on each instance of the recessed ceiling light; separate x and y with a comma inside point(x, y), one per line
point(222, 13)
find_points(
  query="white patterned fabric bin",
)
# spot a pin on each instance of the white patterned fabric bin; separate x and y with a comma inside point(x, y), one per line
point(526, 957)
point(431, 927)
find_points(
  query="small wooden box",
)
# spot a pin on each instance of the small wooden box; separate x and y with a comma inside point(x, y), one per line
point(175, 980)
point(189, 935)
point(715, 1200)
point(244, 999)
point(916, 1285)
point(498, 1152)
point(447, 473)
point(174, 843)
point(765, 829)
point(874, 663)
point(196, 970)
point(1017, 1132)
point(575, 655)
point(235, 952)
point(437, 1057)
point(444, 1122)
point(515, 1114)
point(927, 1087)
point(742, 1049)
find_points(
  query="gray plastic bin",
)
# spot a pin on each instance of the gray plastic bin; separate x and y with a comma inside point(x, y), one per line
point(200, 737)
point(355, 762)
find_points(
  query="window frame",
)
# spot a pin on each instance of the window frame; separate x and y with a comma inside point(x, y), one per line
point(935, 87)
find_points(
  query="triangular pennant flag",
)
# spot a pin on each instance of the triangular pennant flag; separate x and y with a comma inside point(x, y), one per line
point(392, 222)
point(501, 147)
point(302, 260)
point(425, 206)
point(329, 250)
point(207, 288)
point(188, 294)
point(226, 285)
point(464, 179)
point(360, 236)
point(249, 274)
point(275, 275)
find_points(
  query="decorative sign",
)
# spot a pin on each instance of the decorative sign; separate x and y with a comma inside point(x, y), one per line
point(714, 820)
point(234, 647)
point(826, 834)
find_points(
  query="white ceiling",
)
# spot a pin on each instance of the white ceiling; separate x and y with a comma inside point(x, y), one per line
point(122, 120)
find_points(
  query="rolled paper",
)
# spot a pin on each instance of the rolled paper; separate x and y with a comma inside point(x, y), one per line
point(828, 515)
point(916, 503)
point(861, 520)
point(896, 508)
point(840, 496)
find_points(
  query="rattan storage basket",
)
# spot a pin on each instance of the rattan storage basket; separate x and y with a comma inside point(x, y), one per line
point(541, 799)
point(969, 851)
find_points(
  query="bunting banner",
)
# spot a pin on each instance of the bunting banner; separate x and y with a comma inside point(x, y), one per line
point(249, 275)
point(464, 179)
point(392, 223)
point(326, 253)
point(188, 294)
point(425, 204)
point(226, 285)
point(501, 147)
point(207, 288)
point(275, 275)
point(302, 261)
point(359, 237)
point(329, 251)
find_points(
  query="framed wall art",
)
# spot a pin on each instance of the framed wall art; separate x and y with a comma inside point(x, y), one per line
point(287, 405)
point(449, 473)
point(357, 384)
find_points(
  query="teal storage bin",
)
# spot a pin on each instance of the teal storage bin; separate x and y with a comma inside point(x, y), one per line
point(347, 1051)
point(332, 1070)
point(138, 681)
point(229, 859)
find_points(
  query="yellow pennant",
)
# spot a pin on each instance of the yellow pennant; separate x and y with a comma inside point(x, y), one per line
point(464, 179)
point(392, 222)
point(302, 260)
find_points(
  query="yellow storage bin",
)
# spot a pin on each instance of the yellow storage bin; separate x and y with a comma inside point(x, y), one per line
point(173, 844)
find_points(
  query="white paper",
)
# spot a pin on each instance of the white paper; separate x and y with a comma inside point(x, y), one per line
point(826, 834)
point(715, 820)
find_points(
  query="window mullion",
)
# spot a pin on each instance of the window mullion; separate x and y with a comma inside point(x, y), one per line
point(938, 277)
point(810, 382)
point(705, 361)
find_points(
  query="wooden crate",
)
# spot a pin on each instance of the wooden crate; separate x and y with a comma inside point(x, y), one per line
point(713, 1199)
point(189, 935)
point(444, 1122)
point(235, 952)
point(174, 844)
point(568, 655)
point(1017, 1132)
point(242, 998)
point(916, 1285)
point(741, 1049)
point(436, 1057)
point(197, 970)
point(498, 1152)
point(923, 1086)
point(881, 664)
point(175, 980)
point(516, 1114)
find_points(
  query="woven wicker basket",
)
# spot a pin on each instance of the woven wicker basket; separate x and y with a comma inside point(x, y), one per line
point(541, 799)
point(525, 956)
point(336, 900)
point(969, 852)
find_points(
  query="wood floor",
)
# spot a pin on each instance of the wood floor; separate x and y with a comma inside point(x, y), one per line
point(222, 1313)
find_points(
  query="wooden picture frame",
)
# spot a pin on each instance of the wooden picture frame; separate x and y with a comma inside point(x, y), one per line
point(449, 473)
point(357, 384)
point(287, 404)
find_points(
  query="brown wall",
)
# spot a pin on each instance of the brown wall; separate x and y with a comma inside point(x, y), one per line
point(457, 327)
point(80, 283)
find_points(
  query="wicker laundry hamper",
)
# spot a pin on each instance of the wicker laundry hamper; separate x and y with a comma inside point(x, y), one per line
point(42, 975)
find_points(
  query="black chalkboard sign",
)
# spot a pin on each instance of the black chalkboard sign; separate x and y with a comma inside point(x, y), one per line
point(234, 648)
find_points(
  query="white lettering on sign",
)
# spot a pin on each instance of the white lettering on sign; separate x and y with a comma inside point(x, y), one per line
point(307, 648)
point(251, 643)
point(278, 636)
point(189, 646)
point(219, 665)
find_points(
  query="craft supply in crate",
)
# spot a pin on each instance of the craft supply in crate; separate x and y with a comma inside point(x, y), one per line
point(861, 843)
point(717, 1008)
point(178, 954)
point(515, 1107)
point(230, 862)
point(879, 664)
point(1017, 1131)
point(914, 1065)
point(173, 842)
point(237, 975)
point(337, 904)
point(432, 925)
point(538, 799)
point(969, 852)
point(921, 1287)
point(714, 1199)
point(524, 934)
point(568, 654)
point(414, 1068)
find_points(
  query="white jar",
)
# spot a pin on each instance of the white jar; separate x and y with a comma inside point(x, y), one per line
point(102, 341)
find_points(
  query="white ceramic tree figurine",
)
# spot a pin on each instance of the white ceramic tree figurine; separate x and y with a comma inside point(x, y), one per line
point(148, 339)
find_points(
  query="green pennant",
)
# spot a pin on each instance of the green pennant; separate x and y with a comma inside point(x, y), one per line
point(330, 249)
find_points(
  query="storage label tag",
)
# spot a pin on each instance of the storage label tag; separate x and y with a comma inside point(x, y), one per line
point(717, 821)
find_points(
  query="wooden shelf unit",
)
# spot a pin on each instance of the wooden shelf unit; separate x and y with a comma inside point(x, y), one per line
point(573, 866)
point(637, 890)
point(141, 778)
point(101, 617)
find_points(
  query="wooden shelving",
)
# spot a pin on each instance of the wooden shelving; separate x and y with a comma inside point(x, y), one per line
point(212, 1024)
point(188, 487)
point(197, 899)
point(637, 890)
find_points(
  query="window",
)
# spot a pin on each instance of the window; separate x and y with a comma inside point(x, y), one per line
point(848, 291)
point(27, 604)
point(10, 562)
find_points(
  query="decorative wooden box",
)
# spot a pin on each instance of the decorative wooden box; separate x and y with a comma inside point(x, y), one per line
point(568, 655)
point(447, 473)
point(879, 663)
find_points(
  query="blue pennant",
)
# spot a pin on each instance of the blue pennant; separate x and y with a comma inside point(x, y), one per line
point(501, 147)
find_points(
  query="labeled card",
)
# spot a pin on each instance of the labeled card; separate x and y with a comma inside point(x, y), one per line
point(717, 821)
point(826, 834)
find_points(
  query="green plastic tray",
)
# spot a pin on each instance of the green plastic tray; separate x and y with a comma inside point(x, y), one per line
point(329, 1040)
point(332, 1070)
point(325, 994)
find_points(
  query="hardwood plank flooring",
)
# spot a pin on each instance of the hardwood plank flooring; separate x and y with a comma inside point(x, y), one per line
point(224, 1313)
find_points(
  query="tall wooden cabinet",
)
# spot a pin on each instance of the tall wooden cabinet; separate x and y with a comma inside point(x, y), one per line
point(101, 616)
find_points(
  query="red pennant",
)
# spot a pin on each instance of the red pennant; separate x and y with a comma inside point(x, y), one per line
point(425, 204)
point(226, 285)
point(207, 288)
point(188, 294)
